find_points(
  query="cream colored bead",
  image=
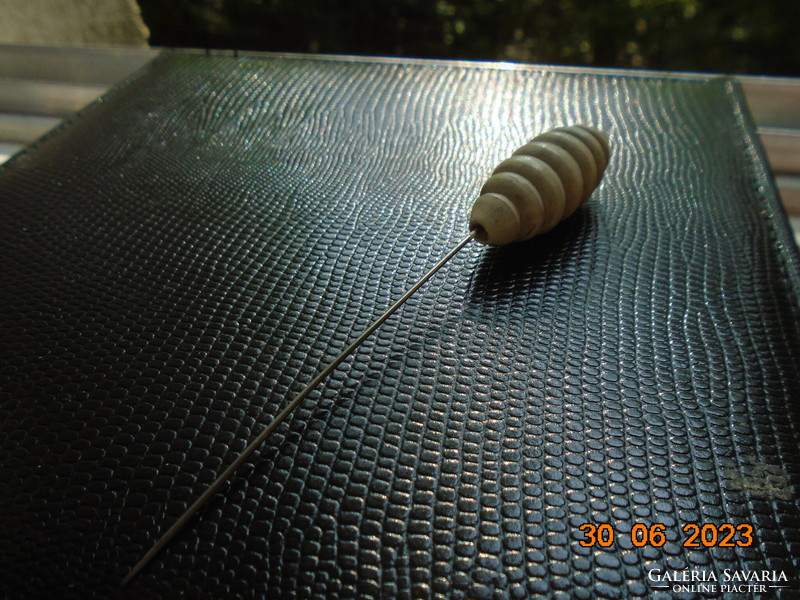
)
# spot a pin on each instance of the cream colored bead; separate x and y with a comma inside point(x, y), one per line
point(545, 180)
point(592, 143)
point(565, 167)
point(578, 151)
point(495, 219)
point(525, 198)
point(600, 137)
point(541, 184)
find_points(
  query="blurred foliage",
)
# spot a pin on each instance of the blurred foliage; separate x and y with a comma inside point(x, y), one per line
point(734, 36)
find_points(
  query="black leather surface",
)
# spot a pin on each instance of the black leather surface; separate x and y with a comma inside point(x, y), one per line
point(184, 255)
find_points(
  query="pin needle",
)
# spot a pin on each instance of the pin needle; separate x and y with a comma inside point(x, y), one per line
point(528, 194)
point(273, 425)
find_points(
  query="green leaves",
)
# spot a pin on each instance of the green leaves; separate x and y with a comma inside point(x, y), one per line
point(737, 36)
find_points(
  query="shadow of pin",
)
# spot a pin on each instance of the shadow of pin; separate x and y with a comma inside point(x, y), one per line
point(518, 273)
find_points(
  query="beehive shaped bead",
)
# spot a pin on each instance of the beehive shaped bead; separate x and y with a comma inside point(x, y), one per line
point(545, 180)
point(601, 137)
point(599, 149)
point(525, 198)
point(495, 220)
point(541, 184)
point(568, 171)
point(582, 155)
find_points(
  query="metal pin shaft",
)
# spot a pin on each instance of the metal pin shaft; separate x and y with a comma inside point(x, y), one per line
point(273, 425)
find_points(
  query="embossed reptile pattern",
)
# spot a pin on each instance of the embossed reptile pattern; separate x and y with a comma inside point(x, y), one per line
point(185, 254)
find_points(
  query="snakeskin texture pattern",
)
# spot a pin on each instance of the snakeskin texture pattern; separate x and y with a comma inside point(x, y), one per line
point(184, 255)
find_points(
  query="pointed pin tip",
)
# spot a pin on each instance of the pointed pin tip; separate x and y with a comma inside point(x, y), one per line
point(127, 578)
point(135, 570)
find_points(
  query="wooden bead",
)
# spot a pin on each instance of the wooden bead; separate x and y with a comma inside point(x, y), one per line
point(592, 143)
point(541, 184)
point(582, 155)
point(525, 198)
point(495, 220)
point(545, 180)
point(565, 167)
point(600, 137)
